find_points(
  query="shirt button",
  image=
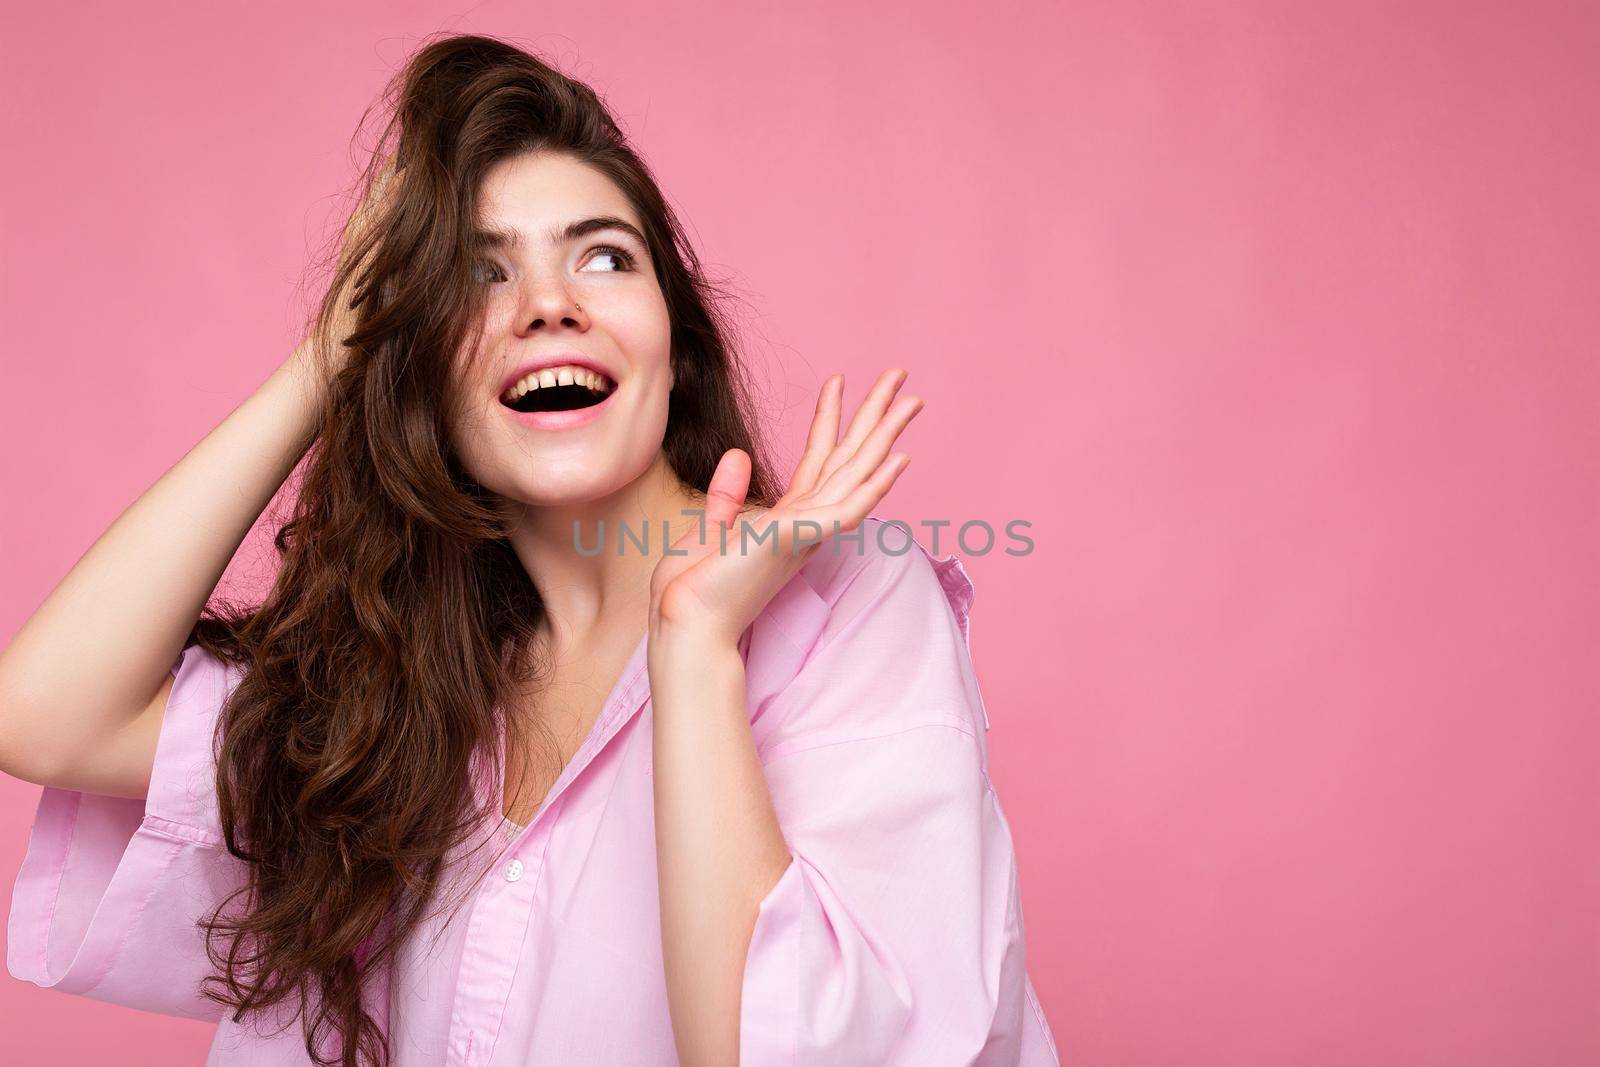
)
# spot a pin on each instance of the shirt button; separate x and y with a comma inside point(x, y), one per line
point(513, 870)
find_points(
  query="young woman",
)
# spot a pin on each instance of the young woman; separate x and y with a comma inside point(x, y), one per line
point(565, 734)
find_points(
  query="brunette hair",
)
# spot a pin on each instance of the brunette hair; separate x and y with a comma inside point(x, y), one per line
point(376, 672)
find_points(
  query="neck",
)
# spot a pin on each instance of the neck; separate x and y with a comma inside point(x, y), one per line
point(594, 585)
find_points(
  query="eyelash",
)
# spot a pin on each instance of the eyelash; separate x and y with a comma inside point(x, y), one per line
point(621, 253)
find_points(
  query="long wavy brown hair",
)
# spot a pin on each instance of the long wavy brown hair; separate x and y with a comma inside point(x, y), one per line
point(378, 672)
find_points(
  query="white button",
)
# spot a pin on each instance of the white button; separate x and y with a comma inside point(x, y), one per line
point(513, 870)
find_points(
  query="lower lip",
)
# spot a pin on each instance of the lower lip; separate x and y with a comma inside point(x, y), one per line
point(561, 420)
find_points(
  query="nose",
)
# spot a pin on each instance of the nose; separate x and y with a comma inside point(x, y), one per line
point(544, 304)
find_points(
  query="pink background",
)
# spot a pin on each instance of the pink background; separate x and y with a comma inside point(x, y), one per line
point(1277, 321)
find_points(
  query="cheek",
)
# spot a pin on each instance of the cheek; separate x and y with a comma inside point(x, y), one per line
point(642, 325)
point(478, 435)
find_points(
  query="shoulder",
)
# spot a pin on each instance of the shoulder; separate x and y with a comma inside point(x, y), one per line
point(872, 631)
point(883, 569)
point(201, 684)
point(182, 790)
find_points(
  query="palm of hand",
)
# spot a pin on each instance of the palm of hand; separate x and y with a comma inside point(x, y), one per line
point(716, 578)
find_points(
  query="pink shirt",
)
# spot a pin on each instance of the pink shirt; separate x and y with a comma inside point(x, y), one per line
point(894, 937)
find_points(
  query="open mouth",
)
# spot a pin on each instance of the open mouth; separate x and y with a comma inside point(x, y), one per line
point(579, 391)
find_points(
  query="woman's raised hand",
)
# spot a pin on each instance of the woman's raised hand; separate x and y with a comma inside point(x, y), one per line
point(358, 241)
point(356, 245)
point(721, 581)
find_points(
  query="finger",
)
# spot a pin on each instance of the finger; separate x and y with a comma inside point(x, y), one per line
point(867, 416)
point(870, 455)
point(824, 434)
point(729, 484)
point(860, 501)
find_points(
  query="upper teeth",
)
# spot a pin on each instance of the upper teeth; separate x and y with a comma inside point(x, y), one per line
point(563, 375)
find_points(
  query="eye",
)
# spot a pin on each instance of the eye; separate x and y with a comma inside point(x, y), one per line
point(487, 271)
point(624, 257)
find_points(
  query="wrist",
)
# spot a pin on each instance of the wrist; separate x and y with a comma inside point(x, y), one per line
point(697, 646)
point(696, 672)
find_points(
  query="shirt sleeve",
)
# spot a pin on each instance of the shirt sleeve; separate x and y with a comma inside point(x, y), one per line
point(110, 890)
point(895, 935)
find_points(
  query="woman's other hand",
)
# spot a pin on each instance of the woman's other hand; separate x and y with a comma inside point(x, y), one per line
point(715, 585)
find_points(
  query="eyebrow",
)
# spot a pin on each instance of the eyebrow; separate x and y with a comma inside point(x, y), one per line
point(495, 237)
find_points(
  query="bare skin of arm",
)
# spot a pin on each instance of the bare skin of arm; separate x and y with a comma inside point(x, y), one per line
point(84, 684)
point(719, 846)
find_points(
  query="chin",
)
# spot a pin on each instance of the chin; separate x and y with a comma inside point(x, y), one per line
point(574, 488)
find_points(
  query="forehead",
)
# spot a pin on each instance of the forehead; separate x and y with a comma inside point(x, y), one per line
point(535, 191)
